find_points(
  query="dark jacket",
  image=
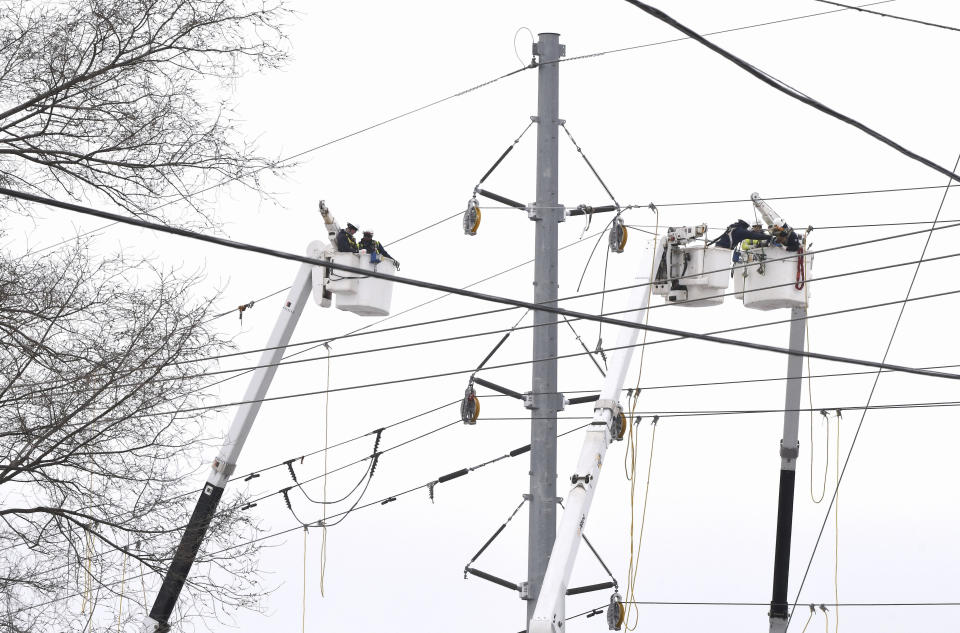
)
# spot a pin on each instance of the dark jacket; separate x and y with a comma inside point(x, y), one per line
point(373, 246)
point(346, 243)
point(736, 233)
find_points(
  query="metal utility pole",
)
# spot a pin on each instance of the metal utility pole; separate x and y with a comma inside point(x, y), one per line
point(545, 402)
point(789, 450)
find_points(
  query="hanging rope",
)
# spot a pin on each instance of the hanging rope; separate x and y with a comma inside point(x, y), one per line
point(123, 577)
point(303, 617)
point(634, 565)
point(631, 471)
point(813, 610)
point(836, 537)
point(326, 444)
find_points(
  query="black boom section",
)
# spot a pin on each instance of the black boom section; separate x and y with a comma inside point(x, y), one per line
point(186, 553)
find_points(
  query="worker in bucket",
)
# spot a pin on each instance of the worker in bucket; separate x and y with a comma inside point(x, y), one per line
point(376, 249)
point(737, 232)
point(345, 241)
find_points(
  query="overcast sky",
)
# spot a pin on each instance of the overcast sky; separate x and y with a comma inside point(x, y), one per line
point(668, 123)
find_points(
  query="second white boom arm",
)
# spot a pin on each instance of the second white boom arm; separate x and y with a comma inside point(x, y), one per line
point(548, 616)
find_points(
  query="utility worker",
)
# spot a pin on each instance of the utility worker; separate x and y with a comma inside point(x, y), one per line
point(739, 231)
point(345, 241)
point(376, 249)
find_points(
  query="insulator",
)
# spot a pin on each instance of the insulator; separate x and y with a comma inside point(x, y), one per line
point(471, 217)
point(618, 236)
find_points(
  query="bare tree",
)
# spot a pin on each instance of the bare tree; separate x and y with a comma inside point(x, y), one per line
point(102, 422)
point(111, 96)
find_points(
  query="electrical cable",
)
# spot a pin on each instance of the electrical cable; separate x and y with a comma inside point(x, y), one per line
point(383, 501)
point(792, 92)
point(720, 32)
point(333, 141)
point(559, 357)
point(695, 413)
point(449, 289)
point(887, 15)
point(853, 442)
point(320, 342)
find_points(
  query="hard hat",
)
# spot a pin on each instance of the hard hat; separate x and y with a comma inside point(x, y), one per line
point(350, 226)
point(366, 233)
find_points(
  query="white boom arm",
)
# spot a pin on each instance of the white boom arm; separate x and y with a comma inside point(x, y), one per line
point(771, 217)
point(548, 615)
point(225, 463)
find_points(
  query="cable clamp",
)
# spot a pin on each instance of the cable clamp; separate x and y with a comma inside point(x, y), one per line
point(575, 479)
point(789, 452)
point(524, 589)
point(224, 469)
point(242, 308)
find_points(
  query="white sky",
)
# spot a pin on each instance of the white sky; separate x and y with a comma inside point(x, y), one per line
point(670, 123)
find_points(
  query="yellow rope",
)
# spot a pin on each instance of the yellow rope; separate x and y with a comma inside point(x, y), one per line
point(836, 536)
point(88, 576)
point(123, 577)
point(326, 443)
point(826, 446)
point(631, 470)
point(809, 617)
point(303, 617)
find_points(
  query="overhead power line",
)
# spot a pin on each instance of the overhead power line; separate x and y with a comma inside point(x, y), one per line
point(873, 388)
point(720, 32)
point(449, 289)
point(372, 350)
point(888, 15)
point(792, 92)
point(382, 501)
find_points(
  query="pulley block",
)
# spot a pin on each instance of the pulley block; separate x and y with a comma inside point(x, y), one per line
point(615, 612)
point(470, 406)
point(471, 217)
point(618, 236)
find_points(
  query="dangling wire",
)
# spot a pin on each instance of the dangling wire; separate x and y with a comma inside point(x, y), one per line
point(603, 297)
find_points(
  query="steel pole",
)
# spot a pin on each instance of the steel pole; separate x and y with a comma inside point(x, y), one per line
point(789, 450)
point(547, 213)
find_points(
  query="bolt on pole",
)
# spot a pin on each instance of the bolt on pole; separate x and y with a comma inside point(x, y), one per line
point(547, 213)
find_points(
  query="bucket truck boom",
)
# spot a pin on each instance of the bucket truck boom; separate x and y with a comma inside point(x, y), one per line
point(365, 296)
point(548, 615)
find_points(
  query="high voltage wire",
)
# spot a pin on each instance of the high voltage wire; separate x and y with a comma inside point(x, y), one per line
point(887, 15)
point(442, 288)
point(721, 412)
point(876, 380)
point(720, 32)
point(382, 501)
point(315, 148)
point(502, 365)
point(477, 335)
point(788, 90)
